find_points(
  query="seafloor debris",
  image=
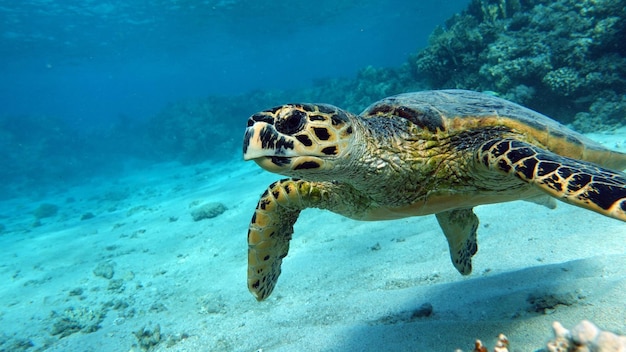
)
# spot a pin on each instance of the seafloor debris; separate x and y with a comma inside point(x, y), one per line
point(584, 337)
point(147, 338)
point(72, 320)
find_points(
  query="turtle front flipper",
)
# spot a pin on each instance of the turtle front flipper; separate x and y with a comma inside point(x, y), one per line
point(573, 181)
point(272, 224)
point(270, 231)
point(459, 226)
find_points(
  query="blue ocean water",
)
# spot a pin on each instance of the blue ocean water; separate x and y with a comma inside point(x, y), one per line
point(82, 81)
point(89, 61)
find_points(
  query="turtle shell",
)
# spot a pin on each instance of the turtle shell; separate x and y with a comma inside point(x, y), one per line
point(454, 111)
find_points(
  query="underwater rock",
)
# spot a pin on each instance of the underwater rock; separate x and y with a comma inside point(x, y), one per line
point(176, 338)
point(78, 291)
point(212, 304)
point(148, 339)
point(14, 344)
point(546, 303)
point(87, 216)
point(72, 320)
point(424, 311)
point(208, 211)
point(116, 285)
point(104, 269)
point(45, 210)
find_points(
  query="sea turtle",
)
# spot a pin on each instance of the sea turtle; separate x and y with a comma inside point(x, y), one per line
point(431, 152)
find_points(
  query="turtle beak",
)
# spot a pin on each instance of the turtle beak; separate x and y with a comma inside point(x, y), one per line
point(262, 140)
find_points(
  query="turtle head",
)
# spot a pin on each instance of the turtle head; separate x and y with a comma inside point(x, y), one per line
point(299, 139)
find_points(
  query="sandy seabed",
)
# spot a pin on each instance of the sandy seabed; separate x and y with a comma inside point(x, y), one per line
point(123, 266)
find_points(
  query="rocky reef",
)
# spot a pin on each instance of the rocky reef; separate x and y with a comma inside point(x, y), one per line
point(565, 58)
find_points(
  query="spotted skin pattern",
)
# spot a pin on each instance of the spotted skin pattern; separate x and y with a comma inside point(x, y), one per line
point(432, 152)
point(269, 234)
point(271, 226)
point(569, 180)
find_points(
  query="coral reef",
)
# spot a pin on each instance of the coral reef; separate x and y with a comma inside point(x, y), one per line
point(502, 345)
point(195, 130)
point(606, 113)
point(565, 51)
point(584, 337)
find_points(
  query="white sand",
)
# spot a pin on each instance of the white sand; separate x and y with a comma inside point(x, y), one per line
point(336, 292)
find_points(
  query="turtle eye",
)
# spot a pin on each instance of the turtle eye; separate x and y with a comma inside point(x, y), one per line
point(292, 123)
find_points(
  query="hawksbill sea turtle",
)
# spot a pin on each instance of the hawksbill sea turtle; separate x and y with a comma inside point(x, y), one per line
point(431, 152)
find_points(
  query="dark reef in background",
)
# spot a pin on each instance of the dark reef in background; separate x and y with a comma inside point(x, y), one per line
point(196, 130)
point(566, 59)
point(40, 152)
point(563, 58)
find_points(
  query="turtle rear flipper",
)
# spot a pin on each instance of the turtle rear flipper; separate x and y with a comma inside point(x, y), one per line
point(573, 181)
point(459, 226)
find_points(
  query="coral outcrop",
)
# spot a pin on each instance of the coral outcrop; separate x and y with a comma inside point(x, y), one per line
point(559, 57)
point(584, 337)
